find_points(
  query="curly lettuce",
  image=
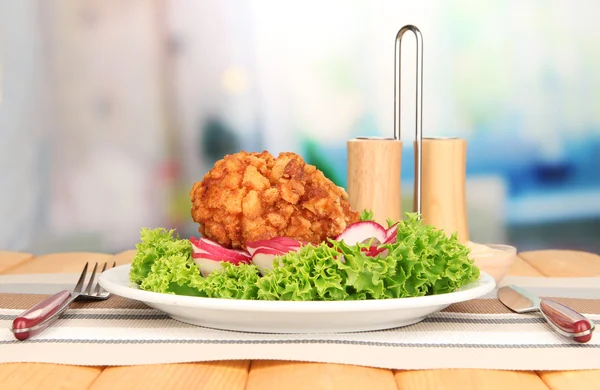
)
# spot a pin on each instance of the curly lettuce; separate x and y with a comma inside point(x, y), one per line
point(310, 274)
point(366, 215)
point(156, 245)
point(432, 262)
point(231, 281)
point(174, 274)
point(421, 261)
point(163, 264)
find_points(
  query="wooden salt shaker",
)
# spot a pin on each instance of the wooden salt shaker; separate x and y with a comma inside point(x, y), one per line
point(374, 166)
point(443, 200)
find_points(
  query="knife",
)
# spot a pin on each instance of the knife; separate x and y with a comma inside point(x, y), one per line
point(563, 319)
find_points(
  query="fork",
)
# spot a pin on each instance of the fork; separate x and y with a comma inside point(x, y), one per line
point(40, 316)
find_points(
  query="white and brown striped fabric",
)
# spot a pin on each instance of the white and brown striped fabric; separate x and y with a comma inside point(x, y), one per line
point(481, 333)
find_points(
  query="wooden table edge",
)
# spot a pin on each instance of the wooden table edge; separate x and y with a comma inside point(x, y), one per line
point(101, 369)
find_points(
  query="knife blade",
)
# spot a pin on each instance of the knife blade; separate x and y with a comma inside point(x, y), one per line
point(561, 318)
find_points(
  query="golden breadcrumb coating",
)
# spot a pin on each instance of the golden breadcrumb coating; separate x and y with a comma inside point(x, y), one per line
point(254, 196)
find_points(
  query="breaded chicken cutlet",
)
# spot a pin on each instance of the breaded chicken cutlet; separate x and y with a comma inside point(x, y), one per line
point(253, 196)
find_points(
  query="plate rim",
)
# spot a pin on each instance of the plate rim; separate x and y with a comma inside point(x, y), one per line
point(484, 285)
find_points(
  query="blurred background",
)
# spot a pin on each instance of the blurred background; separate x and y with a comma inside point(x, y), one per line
point(111, 109)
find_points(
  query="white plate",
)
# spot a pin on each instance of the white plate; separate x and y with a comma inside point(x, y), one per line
point(293, 317)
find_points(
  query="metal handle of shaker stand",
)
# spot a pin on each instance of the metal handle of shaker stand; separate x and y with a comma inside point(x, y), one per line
point(419, 101)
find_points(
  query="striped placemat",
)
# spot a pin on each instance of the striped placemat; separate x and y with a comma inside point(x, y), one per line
point(481, 333)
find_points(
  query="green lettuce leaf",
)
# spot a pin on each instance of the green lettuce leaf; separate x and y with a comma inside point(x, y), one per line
point(365, 276)
point(155, 244)
point(310, 274)
point(231, 281)
point(422, 261)
point(429, 262)
point(366, 215)
point(174, 274)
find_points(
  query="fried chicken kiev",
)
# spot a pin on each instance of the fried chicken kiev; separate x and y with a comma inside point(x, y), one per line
point(254, 196)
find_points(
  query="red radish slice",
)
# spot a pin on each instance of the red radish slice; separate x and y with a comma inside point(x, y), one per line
point(392, 233)
point(223, 254)
point(208, 263)
point(242, 253)
point(208, 255)
point(392, 229)
point(272, 244)
point(374, 251)
point(205, 246)
point(207, 266)
point(232, 260)
point(253, 246)
point(195, 242)
point(212, 246)
point(263, 258)
point(390, 240)
point(229, 253)
point(287, 241)
point(360, 231)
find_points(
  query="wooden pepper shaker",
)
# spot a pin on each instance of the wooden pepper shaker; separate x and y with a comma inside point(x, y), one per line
point(374, 166)
point(443, 200)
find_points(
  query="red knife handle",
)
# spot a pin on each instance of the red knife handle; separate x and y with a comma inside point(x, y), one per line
point(31, 322)
point(567, 320)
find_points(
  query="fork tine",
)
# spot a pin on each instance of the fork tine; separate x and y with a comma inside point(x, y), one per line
point(91, 282)
point(98, 288)
point(79, 284)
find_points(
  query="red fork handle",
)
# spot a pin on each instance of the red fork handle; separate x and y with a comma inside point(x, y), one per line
point(569, 322)
point(33, 321)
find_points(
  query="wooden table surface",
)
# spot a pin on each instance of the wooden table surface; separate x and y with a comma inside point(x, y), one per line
point(266, 375)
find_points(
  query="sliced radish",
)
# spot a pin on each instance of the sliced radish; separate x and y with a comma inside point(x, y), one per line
point(390, 240)
point(229, 259)
point(263, 258)
point(195, 243)
point(208, 255)
point(391, 233)
point(392, 230)
point(362, 232)
point(214, 247)
point(205, 246)
point(264, 251)
point(207, 266)
point(242, 252)
point(288, 241)
point(274, 243)
point(208, 263)
point(373, 251)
